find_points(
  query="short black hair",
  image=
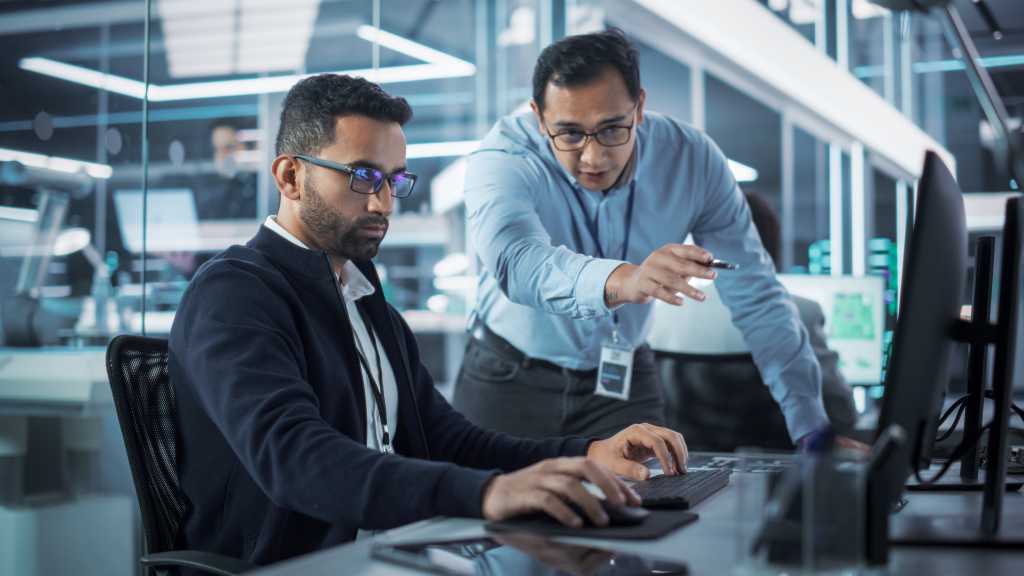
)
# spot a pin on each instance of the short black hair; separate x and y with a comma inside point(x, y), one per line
point(576, 60)
point(767, 223)
point(312, 106)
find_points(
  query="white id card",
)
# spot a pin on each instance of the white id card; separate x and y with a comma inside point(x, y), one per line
point(615, 373)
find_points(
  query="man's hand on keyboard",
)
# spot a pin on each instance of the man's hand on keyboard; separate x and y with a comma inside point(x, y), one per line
point(625, 452)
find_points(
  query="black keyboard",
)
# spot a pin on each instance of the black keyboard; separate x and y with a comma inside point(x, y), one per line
point(682, 491)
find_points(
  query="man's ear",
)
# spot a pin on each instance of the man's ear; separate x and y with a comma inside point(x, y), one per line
point(537, 114)
point(640, 106)
point(286, 176)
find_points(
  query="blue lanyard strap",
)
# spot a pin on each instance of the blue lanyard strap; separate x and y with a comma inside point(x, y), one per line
point(593, 226)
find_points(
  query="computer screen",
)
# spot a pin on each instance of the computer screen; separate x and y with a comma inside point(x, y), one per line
point(171, 221)
point(934, 276)
point(854, 309)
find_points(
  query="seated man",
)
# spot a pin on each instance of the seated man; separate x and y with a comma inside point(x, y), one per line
point(305, 413)
point(717, 397)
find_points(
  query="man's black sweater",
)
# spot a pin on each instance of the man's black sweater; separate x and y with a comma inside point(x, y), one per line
point(271, 413)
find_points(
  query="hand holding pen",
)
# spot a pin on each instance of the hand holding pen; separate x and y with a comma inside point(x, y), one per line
point(664, 275)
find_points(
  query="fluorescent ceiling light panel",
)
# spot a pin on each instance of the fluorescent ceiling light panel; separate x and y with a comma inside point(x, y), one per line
point(441, 149)
point(439, 65)
point(85, 76)
point(59, 164)
point(222, 88)
point(741, 172)
point(223, 37)
point(18, 214)
point(413, 49)
point(865, 9)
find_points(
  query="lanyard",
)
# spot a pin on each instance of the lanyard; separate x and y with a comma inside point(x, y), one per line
point(376, 385)
point(593, 226)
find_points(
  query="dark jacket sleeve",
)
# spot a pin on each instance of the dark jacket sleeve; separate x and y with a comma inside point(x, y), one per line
point(453, 438)
point(240, 350)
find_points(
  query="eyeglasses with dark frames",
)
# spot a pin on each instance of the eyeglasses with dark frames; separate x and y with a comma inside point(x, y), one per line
point(573, 140)
point(366, 180)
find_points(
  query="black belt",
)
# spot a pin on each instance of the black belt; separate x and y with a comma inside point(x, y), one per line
point(501, 346)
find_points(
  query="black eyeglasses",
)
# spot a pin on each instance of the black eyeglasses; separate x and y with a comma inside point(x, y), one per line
point(366, 180)
point(573, 140)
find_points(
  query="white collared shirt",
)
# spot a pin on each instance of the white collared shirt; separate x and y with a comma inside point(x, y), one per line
point(354, 285)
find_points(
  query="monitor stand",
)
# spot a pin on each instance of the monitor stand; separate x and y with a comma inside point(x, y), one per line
point(979, 335)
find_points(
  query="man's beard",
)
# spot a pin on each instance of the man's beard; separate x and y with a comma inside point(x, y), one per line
point(337, 235)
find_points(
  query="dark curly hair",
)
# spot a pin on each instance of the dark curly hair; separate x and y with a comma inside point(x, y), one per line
point(311, 107)
point(576, 60)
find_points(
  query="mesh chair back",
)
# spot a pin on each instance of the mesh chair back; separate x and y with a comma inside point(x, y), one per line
point(146, 411)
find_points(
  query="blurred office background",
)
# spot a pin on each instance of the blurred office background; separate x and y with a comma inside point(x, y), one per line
point(135, 137)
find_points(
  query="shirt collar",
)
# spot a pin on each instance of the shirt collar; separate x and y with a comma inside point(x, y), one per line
point(354, 285)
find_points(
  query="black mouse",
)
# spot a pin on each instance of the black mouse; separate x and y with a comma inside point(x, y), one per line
point(617, 515)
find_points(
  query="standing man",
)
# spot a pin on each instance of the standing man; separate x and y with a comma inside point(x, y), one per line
point(578, 211)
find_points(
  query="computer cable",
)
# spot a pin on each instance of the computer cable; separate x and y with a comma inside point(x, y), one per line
point(1013, 406)
point(960, 406)
point(953, 458)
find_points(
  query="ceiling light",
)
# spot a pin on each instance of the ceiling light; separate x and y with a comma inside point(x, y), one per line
point(413, 49)
point(741, 172)
point(57, 163)
point(441, 149)
point(227, 88)
point(18, 214)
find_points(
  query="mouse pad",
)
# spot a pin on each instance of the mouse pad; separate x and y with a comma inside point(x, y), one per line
point(659, 523)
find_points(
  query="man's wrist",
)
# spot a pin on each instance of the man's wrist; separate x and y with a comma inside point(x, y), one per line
point(613, 288)
point(485, 492)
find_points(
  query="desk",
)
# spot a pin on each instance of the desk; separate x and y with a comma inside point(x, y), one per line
point(708, 546)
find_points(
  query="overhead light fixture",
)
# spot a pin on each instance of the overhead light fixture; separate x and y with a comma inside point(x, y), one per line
point(223, 88)
point(222, 37)
point(441, 149)
point(866, 9)
point(66, 165)
point(84, 76)
point(926, 67)
point(414, 49)
point(439, 65)
point(741, 172)
point(19, 214)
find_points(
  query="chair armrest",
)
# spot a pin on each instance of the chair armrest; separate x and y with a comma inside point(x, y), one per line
point(206, 561)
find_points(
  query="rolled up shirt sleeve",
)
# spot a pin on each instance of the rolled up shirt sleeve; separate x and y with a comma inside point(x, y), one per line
point(514, 247)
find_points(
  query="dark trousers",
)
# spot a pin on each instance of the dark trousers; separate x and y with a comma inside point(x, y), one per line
point(500, 390)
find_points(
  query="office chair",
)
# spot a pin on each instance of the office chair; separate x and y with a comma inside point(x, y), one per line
point(146, 411)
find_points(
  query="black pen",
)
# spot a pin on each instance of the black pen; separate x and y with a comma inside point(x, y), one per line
point(724, 265)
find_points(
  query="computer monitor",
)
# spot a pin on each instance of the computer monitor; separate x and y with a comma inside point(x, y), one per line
point(854, 309)
point(171, 221)
point(934, 275)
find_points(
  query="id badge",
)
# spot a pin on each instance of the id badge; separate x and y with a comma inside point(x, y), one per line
point(615, 373)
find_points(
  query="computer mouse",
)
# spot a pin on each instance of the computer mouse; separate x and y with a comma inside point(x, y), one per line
point(617, 515)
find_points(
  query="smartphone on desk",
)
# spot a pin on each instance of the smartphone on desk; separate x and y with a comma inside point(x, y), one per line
point(511, 553)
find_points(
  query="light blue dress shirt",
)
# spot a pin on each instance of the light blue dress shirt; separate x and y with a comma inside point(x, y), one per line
point(542, 289)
